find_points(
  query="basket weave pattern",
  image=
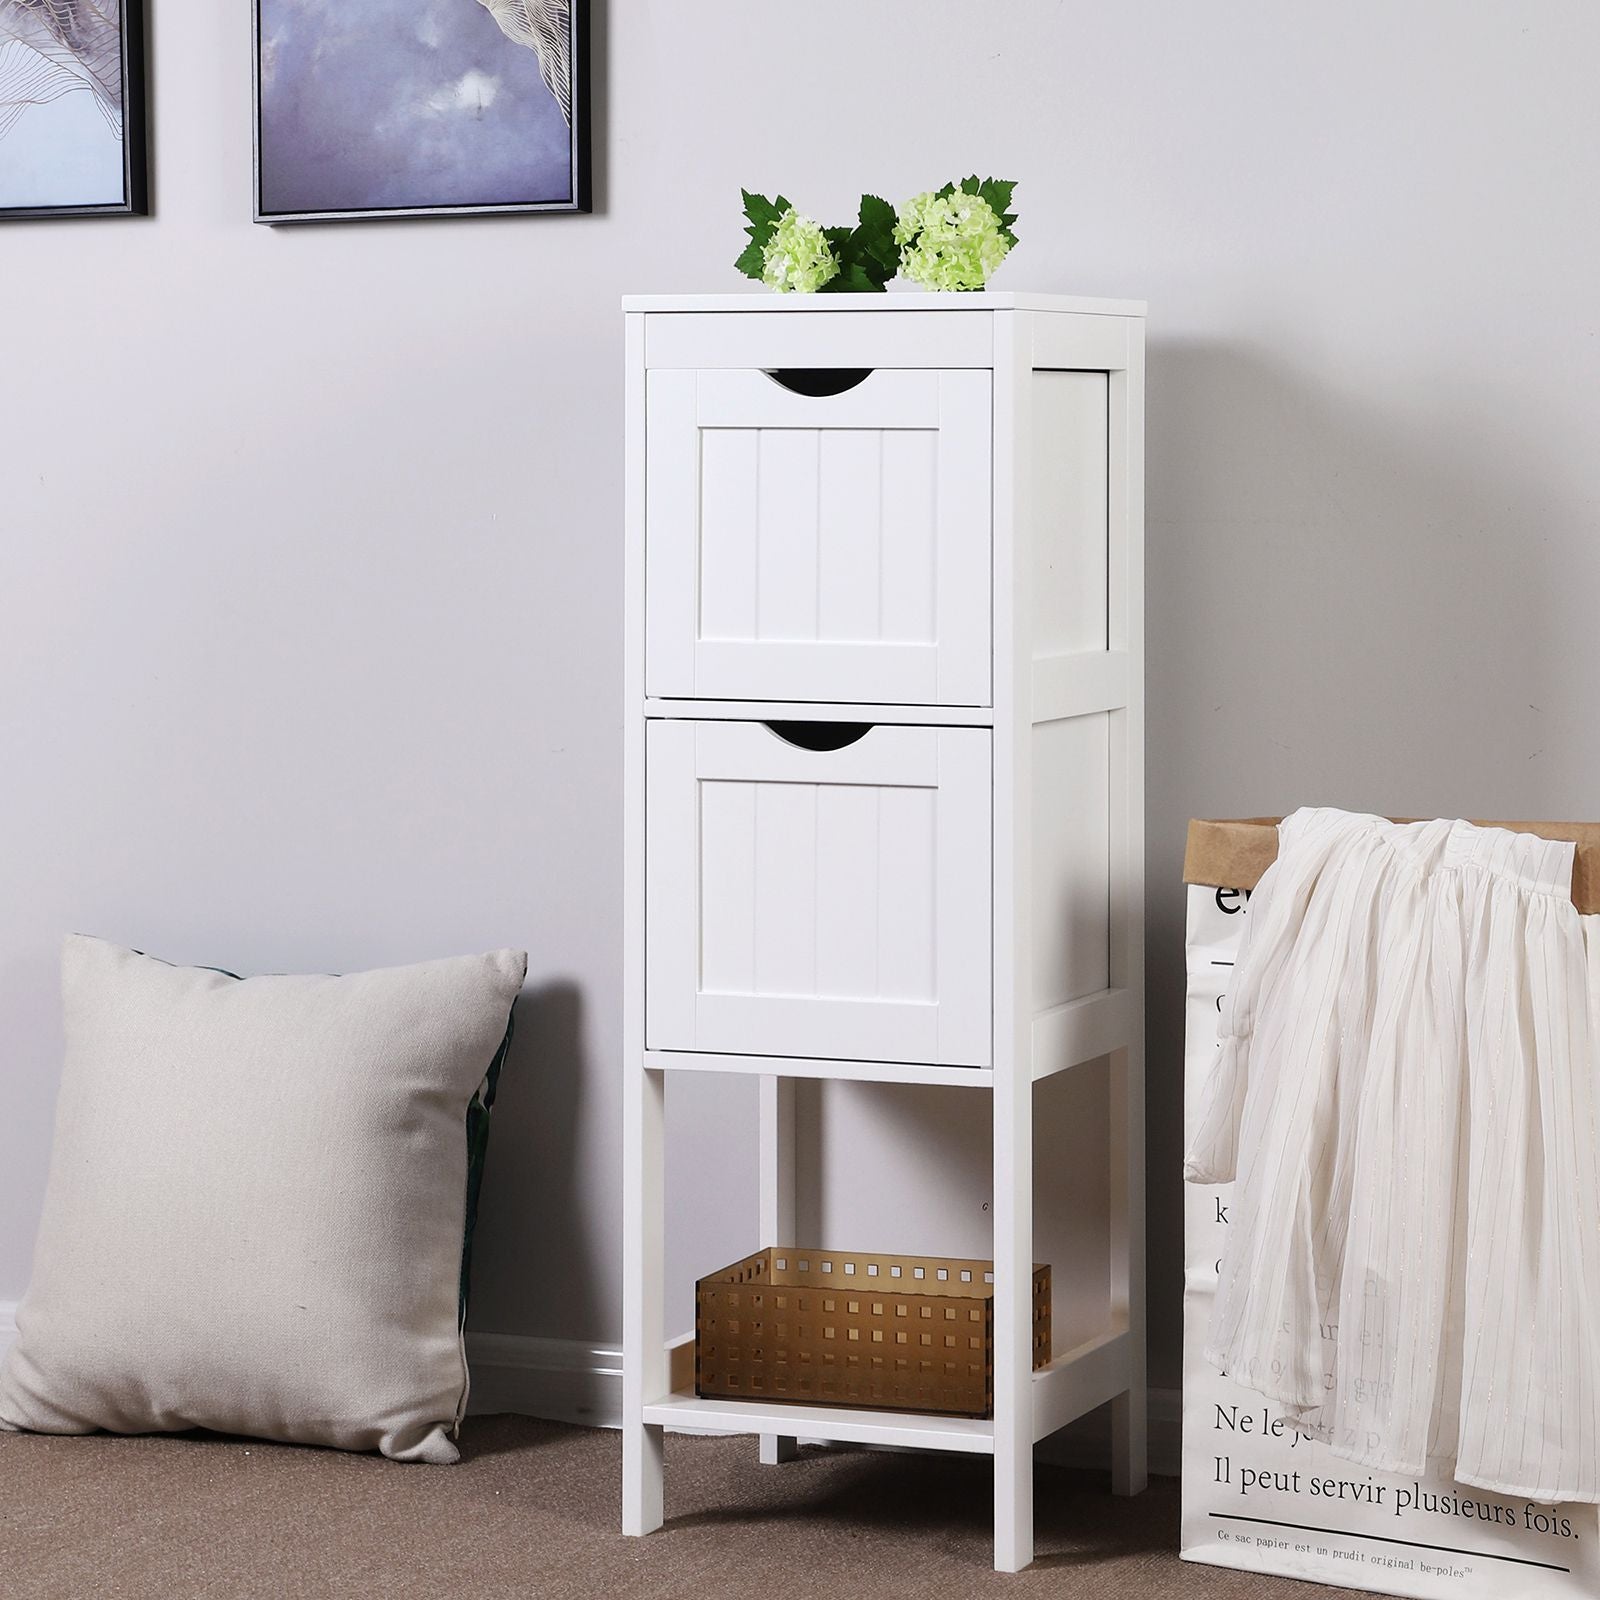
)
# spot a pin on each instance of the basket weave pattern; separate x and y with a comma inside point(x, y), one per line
point(826, 1327)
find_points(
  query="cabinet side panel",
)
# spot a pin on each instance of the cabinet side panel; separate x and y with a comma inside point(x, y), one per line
point(1071, 859)
point(1069, 512)
point(1072, 1165)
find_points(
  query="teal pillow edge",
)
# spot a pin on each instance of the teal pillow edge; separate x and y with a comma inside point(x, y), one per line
point(479, 1109)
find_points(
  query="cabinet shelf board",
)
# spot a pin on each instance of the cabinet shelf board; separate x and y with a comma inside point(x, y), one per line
point(906, 1429)
point(803, 1067)
point(1081, 1030)
point(1079, 1379)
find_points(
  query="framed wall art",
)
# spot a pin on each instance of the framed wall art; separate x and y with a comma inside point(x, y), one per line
point(419, 108)
point(72, 115)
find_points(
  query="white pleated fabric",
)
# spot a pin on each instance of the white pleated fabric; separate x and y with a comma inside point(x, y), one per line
point(1406, 1098)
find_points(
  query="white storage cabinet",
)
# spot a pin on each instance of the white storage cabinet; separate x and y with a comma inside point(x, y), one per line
point(884, 785)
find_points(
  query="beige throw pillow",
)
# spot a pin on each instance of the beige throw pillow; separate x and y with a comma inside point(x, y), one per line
point(256, 1203)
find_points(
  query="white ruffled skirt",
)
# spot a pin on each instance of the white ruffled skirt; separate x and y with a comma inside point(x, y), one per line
point(1406, 1100)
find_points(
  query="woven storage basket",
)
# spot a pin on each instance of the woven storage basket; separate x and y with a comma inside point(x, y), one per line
point(824, 1327)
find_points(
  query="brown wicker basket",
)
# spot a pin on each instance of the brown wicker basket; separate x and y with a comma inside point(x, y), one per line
point(825, 1327)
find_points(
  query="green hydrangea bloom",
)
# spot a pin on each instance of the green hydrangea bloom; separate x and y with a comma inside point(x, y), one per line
point(950, 243)
point(798, 255)
point(912, 217)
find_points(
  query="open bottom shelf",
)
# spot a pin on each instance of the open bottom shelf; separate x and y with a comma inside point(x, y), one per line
point(1079, 1379)
point(1074, 1383)
point(907, 1429)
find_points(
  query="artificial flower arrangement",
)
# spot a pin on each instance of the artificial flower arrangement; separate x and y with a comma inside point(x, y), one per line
point(950, 238)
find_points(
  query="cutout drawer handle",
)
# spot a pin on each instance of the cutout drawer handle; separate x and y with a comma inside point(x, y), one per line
point(820, 735)
point(819, 382)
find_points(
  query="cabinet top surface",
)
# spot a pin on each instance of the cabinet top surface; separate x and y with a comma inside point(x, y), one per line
point(909, 300)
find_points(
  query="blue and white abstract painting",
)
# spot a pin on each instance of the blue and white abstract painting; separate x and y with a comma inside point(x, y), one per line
point(67, 105)
point(387, 107)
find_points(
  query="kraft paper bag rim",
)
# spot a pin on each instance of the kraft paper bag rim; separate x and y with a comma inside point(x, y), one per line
point(1233, 853)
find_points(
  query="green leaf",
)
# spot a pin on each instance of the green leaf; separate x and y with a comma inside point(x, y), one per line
point(853, 278)
point(764, 215)
point(878, 263)
point(751, 260)
point(997, 191)
point(877, 215)
point(944, 193)
point(970, 185)
point(880, 255)
point(762, 212)
point(858, 271)
point(872, 243)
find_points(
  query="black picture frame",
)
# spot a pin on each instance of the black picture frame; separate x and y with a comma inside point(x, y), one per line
point(135, 200)
point(578, 201)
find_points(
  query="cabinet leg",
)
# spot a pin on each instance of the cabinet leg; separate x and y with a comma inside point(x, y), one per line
point(777, 1207)
point(642, 1479)
point(1013, 1319)
point(1013, 1511)
point(1129, 1423)
point(644, 1363)
point(1129, 1443)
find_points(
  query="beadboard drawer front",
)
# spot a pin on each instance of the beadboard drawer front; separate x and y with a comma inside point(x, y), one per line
point(827, 548)
point(819, 903)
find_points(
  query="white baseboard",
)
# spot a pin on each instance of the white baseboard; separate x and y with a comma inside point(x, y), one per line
point(567, 1380)
point(561, 1380)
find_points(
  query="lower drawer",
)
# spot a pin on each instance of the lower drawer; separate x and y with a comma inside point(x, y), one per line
point(830, 902)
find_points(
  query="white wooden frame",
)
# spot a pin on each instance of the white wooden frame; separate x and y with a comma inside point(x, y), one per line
point(1020, 335)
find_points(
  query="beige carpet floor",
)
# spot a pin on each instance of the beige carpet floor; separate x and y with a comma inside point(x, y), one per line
point(532, 1511)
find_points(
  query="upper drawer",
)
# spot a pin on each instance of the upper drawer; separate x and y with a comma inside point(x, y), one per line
point(830, 547)
point(809, 338)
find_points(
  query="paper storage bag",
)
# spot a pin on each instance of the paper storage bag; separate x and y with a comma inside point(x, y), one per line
point(1257, 1496)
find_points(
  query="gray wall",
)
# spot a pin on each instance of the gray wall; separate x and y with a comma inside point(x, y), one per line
point(310, 567)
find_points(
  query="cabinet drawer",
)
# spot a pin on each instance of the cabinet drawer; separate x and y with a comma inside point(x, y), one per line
point(793, 336)
point(827, 547)
point(814, 902)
